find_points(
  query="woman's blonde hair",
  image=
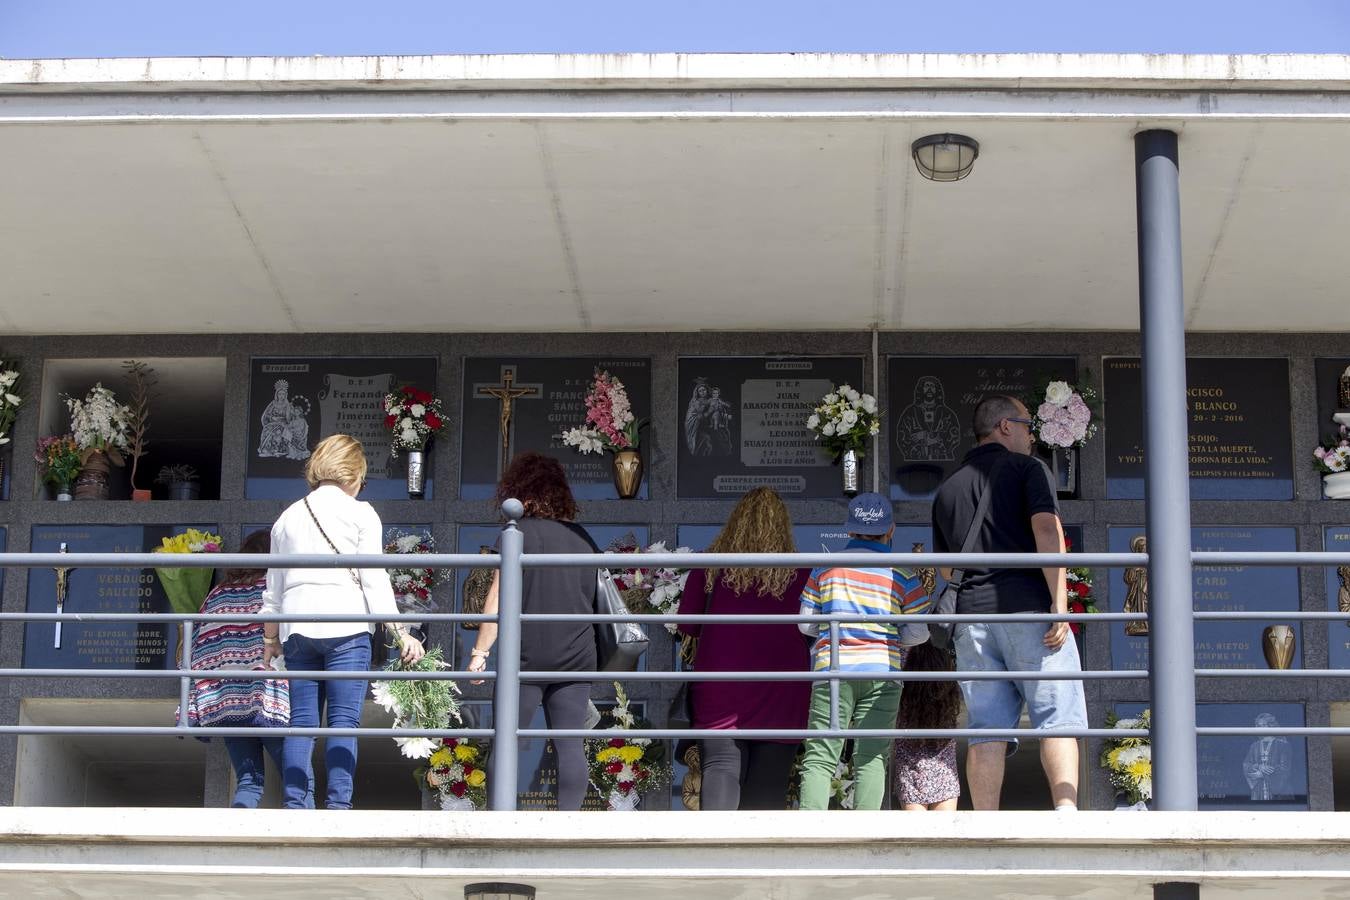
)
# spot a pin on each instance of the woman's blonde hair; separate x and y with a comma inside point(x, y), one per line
point(759, 524)
point(339, 458)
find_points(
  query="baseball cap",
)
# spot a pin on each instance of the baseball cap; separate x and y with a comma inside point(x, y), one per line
point(869, 514)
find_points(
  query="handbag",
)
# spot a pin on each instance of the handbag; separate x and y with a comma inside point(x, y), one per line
point(942, 634)
point(477, 585)
point(618, 645)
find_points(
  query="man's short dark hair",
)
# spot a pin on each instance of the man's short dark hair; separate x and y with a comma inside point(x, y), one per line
point(990, 412)
point(874, 538)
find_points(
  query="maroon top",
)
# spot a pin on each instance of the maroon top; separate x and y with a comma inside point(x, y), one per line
point(747, 648)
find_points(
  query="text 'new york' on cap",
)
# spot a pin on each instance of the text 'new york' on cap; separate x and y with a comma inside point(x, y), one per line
point(869, 514)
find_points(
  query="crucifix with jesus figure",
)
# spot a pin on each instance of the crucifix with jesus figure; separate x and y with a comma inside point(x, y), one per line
point(506, 394)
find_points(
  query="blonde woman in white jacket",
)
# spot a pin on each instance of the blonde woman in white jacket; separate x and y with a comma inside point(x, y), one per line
point(329, 520)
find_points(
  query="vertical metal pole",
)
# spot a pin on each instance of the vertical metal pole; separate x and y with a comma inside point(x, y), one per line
point(1166, 471)
point(184, 683)
point(506, 691)
point(834, 667)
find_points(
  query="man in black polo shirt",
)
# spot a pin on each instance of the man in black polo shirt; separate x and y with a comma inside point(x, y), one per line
point(1023, 517)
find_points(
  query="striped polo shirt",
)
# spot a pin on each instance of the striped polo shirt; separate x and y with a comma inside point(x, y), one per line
point(863, 646)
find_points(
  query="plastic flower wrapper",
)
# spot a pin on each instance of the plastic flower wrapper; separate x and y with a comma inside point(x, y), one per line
point(186, 588)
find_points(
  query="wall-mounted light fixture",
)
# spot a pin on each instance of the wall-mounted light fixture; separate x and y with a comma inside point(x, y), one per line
point(498, 890)
point(945, 157)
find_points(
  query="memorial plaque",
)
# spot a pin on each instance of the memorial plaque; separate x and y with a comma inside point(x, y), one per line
point(1336, 539)
point(1242, 772)
point(295, 402)
point(537, 779)
point(931, 400)
point(524, 404)
point(100, 645)
point(483, 538)
point(743, 424)
point(1238, 415)
point(1219, 644)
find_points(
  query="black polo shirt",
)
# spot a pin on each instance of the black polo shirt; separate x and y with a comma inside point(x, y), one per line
point(1022, 490)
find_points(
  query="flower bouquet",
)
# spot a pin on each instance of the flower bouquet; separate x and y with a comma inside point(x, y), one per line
point(1079, 580)
point(99, 424)
point(623, 768)
point(655, 591)
point(9, 401)
point(456, 773)
point(428, 703)
point(413, 417)
point(185, 587)
point(843, 422)
point(60, 462)
point(610, 424)
point(1061, 414)
point(1332, 458)
point(1128, 761)
point(413, 586)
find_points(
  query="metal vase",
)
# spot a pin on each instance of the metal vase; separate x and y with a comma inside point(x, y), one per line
point(416, 473)
point(627, 473)
point(849, 464)
point(1277, 643)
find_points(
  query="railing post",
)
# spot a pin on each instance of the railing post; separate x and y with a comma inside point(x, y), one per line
point(184, 683)
point(506, 691)
point(834, 669)
point(1166, 470)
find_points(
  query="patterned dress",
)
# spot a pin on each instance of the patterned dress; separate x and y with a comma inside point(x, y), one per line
point(234, 645)
point(925, 771)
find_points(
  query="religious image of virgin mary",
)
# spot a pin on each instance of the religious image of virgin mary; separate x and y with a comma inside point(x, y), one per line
point(928, 428)
point(285, 425)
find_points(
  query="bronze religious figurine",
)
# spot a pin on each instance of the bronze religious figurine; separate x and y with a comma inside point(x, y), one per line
point(1136, 589)
point(927, 574)
point(1343, 595)
point(62, 585)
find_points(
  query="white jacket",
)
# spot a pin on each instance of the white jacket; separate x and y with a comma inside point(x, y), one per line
point(354, 527)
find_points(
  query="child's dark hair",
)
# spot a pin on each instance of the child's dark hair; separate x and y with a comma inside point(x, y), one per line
point(929, 704)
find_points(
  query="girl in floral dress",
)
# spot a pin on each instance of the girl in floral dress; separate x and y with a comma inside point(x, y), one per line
point(925, 769)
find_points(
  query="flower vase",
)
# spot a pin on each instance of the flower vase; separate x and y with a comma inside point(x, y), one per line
point(63, 492)
point(1336, 485)
point(627, 473)
point(451, 803)
point(1123, 804)
point(1277, 645)
point(848, 463)
point(92, 482)
point(416, 473)
point(623, 801)
point(1063, 465)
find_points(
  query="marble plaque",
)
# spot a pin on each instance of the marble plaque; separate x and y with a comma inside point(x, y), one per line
point(931, 400)
point(1238, 415)
point(1242, 772)
point(743, 424)
point(295, 402)
point(1218, 644)
point(551, 399)
point(483, 538)
point(100, 645)
point(1336, 539)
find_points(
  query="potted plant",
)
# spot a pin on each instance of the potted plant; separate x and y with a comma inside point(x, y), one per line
point(141, 379)
point(59, 460)
point(610, 425)
point(844, 421)
point(99, 425)
point(181, 481)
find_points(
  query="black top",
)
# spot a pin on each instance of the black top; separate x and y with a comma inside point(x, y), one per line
point(557, 646)
point(1022, 490)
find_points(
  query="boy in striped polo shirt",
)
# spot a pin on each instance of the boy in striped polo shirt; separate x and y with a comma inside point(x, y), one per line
point(863, 647)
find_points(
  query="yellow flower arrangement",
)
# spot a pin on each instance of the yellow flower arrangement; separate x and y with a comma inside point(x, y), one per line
point(608, 754)
point(466, 752)
point(630, 753)
point(186, 588)
point(441, 758)
point(476, 778)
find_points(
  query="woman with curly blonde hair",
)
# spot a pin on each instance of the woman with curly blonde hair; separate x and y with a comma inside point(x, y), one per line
point(748, 774)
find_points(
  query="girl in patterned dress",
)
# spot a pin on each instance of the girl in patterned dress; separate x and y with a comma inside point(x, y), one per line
point(925, 769)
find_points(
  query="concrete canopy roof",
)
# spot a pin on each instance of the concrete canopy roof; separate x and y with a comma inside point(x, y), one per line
point(545, 193)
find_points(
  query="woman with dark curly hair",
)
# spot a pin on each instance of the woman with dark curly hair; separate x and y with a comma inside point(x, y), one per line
point(748, 774)
point(540, 483)
point(925, 769)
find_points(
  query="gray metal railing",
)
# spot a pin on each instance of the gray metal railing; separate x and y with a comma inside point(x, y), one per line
point(512, 561)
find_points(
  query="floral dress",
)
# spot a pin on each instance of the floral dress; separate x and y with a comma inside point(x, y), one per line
point(925, 771)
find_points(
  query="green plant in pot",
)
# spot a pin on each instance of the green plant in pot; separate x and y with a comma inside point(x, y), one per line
point(141, 379)
point(181, 481)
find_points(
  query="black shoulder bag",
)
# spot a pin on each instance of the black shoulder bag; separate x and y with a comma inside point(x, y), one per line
point(942, 633)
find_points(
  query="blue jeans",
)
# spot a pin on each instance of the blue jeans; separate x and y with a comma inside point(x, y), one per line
point(246, 755)
point(1010, 647)
point(345, 698)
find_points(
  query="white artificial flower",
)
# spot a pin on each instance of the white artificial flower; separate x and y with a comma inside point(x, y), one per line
point(379, 692)
point(869, 404)
point(850, 418)
point(418, 410)
point(4, 440)
point(416, 747)
point(1146, 788)
point(8, 377)
point(407, 543)
point(1058, 392)
point(831, 398)
point(875, 428)
point(813, 421)
point(828, 430)
point(13, 399)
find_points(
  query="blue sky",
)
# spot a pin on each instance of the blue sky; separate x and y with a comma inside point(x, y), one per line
point(64, 28)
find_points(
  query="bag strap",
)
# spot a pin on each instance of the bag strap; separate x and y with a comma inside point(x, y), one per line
point(356, 576)
point(976, 523)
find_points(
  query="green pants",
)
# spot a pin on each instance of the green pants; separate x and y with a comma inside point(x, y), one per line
point(862, 704)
